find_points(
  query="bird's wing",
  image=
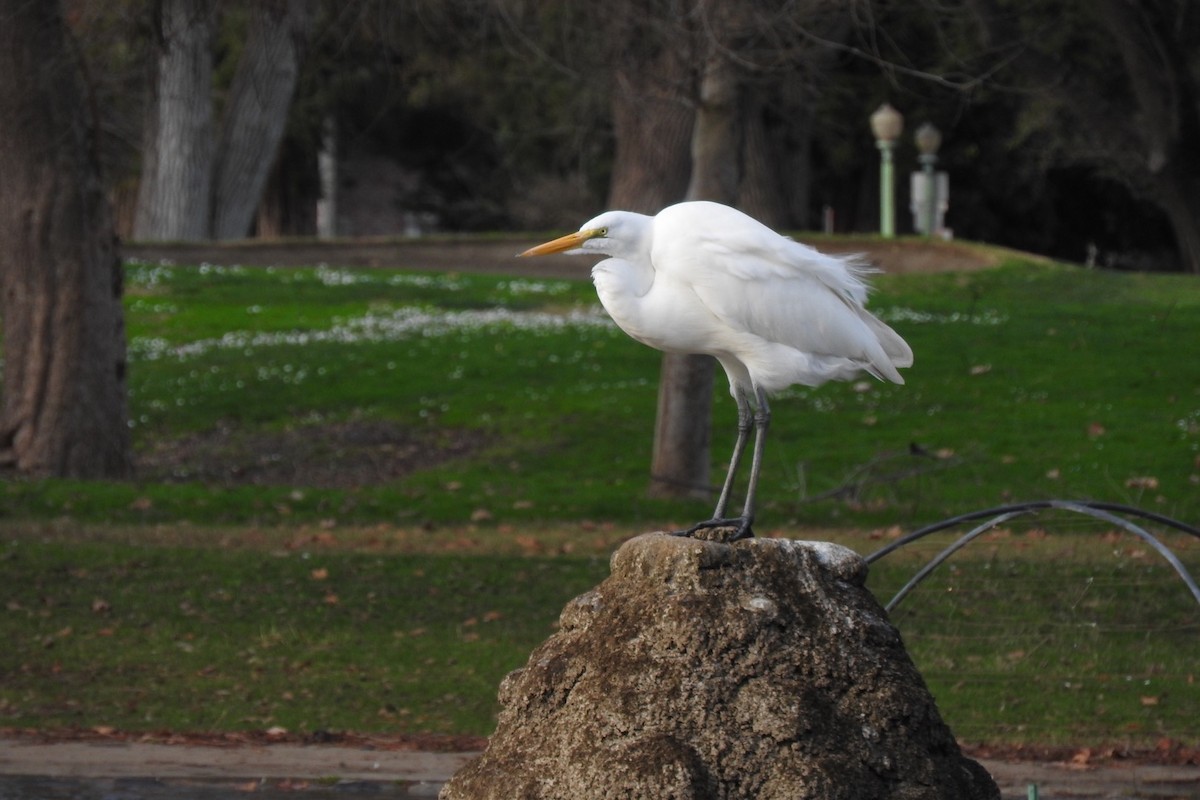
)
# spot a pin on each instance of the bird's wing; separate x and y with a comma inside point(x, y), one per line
point(702, 234)
point(757, 282)
point(799, 311)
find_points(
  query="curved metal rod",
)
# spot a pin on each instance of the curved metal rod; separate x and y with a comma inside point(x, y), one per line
point(1033, 505)
point(921, 533)
point(960, 543)
point(1150, 538)
point(1000, 514)
point(1132, 511)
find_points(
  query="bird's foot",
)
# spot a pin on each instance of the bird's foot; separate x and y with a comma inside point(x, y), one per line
point(726, 529)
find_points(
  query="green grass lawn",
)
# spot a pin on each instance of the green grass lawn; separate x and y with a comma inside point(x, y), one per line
point(208, 603)
point(1030, 381)
point(1081, 638)
point(204, 639)
point(1055, 632)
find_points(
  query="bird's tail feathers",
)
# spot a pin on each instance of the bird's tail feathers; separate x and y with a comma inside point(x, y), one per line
point(893, 352)
point(885, 371)
point(896, 348)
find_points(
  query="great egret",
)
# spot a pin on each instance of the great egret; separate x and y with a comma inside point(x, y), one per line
point(701, 277)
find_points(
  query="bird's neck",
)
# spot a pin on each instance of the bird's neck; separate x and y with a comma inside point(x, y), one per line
point(616, 277)
point(622, 287)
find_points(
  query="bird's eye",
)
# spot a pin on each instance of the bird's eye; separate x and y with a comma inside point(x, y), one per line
point(602, 232)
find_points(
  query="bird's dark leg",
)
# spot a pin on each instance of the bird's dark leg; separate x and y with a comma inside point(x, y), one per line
point(744, 422)
point(761, 419)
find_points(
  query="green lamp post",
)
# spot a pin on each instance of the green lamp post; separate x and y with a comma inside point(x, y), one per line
point(886, 124)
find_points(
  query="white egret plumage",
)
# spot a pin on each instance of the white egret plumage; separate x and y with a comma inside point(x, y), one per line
point(701, 277)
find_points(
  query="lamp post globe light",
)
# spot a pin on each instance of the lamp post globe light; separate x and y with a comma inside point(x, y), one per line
point(929, 139)
point(886, 124)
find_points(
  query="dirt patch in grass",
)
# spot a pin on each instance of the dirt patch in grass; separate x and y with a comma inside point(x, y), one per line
point(335, 455)
point(498, 255)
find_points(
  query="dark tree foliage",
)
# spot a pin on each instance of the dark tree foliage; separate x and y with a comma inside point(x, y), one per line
point(1046, 103)
point(511, 114)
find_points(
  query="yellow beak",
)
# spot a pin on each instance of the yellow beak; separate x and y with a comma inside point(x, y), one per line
point(571, 241)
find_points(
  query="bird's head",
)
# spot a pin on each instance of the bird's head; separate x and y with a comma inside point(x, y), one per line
point(613, 233)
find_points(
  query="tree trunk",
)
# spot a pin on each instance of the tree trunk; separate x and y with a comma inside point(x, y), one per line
point(64, 405)
point(257, 110)
point(176, 183)
point(651, 127)
point(717, 136)
point(683, 427)
point(682, 439)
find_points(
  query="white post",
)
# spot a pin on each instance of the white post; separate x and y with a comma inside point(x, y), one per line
point(327, 172)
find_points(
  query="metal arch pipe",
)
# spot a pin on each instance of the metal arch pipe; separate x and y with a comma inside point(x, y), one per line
point(1031, 506)
point(970, 516)
point(1131, 510)
point(1000, 514)
point(1148, 537)
point(936, 562)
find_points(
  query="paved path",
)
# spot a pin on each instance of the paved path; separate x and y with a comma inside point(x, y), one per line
point(32, 770)
point(132, 771)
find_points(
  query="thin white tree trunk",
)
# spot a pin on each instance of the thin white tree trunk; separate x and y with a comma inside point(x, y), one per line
point(175, 188)
point(327, 172)
point(256, 115)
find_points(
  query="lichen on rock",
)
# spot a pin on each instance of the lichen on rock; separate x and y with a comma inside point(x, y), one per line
point(758, 669)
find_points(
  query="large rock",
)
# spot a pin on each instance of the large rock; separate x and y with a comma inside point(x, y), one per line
point(761, 669)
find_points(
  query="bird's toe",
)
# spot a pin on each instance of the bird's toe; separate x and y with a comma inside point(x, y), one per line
point(729, 529)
